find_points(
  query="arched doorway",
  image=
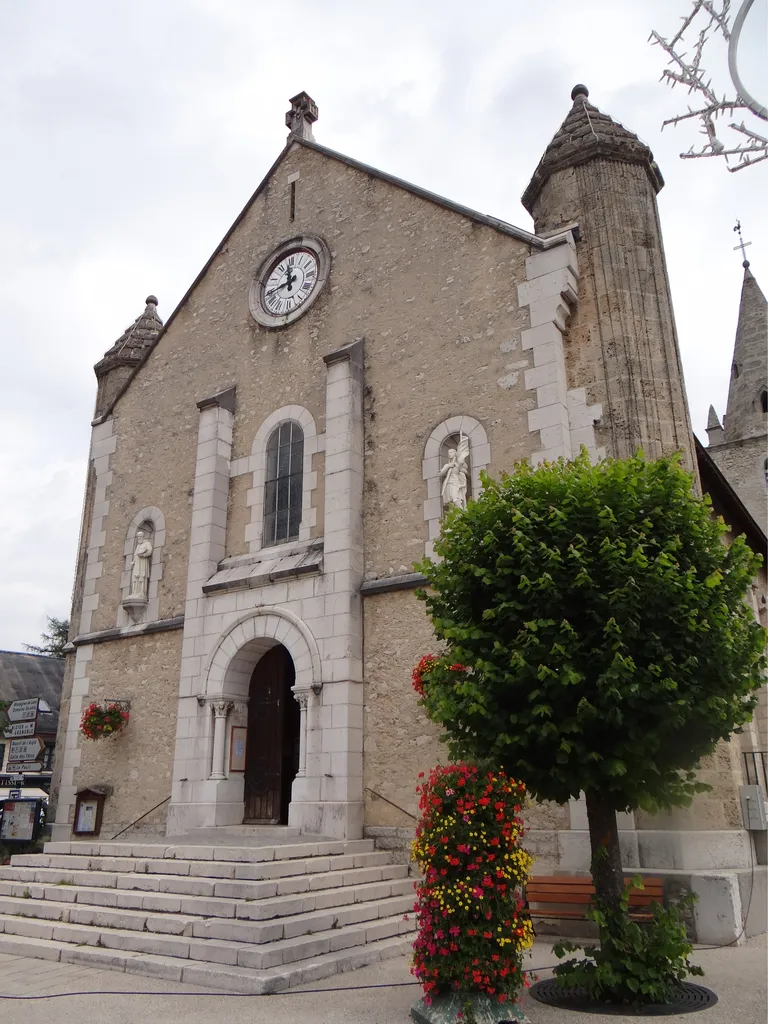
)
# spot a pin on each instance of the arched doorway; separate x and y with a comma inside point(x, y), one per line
point(272, 750)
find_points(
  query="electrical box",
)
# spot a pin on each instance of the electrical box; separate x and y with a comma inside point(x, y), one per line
point(753, 808)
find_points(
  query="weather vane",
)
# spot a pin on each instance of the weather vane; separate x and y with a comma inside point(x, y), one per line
point(751, 147)
point(742, 245)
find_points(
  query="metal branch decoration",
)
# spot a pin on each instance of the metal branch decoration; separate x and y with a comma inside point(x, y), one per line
point(747, 146)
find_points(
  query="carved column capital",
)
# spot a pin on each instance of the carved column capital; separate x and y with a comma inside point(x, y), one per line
point(302, 698)
point(221, 708)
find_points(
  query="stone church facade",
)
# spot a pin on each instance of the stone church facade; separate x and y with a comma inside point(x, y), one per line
point(277, 446)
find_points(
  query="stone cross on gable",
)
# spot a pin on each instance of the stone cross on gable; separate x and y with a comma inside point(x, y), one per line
point(302, 115)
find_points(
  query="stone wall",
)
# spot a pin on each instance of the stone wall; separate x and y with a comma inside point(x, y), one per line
point(136, 764)
point(743, 463)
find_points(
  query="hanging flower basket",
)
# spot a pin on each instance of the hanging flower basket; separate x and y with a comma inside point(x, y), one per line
point(101, 720)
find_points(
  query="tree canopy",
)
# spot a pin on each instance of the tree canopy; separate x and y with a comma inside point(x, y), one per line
point(54, 641)
point(595, 630)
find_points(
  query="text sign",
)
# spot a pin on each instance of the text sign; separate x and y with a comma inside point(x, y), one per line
point(14, 794)
point(19, 819)
point(24, 766)
point(20, 729)
point(23, 710)
point(25, 750)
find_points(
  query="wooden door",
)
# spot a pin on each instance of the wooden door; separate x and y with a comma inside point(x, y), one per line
point(270, 716)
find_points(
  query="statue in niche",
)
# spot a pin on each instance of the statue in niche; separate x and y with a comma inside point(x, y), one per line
point(455, 474)
point(141, 566)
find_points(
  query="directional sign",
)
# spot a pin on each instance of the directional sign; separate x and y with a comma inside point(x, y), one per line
point(25, 750)
point(14, 794)
point(24, 766)
point(19, 729)
point(23, 710)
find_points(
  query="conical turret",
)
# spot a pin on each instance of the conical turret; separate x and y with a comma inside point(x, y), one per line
point(119, 362)
point(748, 389)
point(622, 343)
point(715, 432)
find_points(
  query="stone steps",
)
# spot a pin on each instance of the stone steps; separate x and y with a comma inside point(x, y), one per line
point(208, 974)
point(248, 918)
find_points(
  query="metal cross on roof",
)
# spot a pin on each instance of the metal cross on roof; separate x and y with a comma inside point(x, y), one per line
point(742, 245)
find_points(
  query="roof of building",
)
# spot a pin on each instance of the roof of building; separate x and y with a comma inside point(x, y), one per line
point(585, 134)
point(33, 675)
point(135, 341)
point(726, 501)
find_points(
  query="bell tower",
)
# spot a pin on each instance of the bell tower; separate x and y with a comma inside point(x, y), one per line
point(621, 342)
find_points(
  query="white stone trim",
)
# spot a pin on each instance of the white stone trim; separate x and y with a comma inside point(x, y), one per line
point(103, 445)
point(257, 465)
point(72, 753)
point(229, 667)
point(562, 417)
point(152, 515)
point(479, 460)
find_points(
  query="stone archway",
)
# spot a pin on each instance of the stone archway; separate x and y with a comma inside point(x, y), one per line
point(228, 678)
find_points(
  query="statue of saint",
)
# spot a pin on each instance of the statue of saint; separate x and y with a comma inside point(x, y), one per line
point(455, 474)
point(140, 566)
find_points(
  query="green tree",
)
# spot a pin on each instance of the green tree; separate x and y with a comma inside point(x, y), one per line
point(54, 641)
point(596, 637)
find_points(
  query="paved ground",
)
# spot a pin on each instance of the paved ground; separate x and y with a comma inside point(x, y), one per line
point(738, 975)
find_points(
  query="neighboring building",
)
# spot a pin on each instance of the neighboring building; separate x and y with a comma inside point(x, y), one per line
point(267, 465)
point(23, 676)
point(740, 445)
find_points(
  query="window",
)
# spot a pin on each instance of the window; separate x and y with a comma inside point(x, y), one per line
point(764, 400)
point(284, 483)
point(734, 371)
point(765, 471)
point(48, 753)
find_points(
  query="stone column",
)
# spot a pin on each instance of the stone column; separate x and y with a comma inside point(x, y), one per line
point(221, 709)
point(302, 699)
point(329, 798)
point(202, 795)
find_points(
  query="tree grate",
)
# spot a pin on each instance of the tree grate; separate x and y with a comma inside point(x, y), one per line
point(688, 999)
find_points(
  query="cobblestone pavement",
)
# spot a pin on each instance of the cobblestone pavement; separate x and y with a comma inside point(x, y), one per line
point(737, 975)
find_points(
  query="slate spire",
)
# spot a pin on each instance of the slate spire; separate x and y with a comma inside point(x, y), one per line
point(748, 389)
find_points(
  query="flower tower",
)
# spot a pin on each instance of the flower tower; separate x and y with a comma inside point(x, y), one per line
point(472, 928)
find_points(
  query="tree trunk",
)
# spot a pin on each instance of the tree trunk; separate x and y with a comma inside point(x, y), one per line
point(606, 854)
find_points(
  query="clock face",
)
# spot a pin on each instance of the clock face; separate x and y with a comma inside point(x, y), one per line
point(290, 282)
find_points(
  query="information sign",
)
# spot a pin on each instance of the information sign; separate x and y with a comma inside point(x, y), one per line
point(23, 710)
point(14, 794)
point(20, 729)
point(24, 766)
point(19, 820)
point(26, 749)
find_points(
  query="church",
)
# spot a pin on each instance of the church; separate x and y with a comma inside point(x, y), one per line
point(268, 463)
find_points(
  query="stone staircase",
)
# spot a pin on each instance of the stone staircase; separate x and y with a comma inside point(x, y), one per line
point(243, 918)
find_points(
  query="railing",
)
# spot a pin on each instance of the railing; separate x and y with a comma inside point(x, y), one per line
point(756, 769)
point(386, 801)
point(141, 818)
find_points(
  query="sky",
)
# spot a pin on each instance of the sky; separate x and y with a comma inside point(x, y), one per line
point(132, 133)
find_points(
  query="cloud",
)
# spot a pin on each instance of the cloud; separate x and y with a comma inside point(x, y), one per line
point(134, 132)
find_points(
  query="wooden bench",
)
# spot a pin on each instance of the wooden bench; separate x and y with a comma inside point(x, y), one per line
point(568, 897)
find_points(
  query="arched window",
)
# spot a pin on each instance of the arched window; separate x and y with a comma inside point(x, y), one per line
point(283, 484)
point(765, 471)
point(764, 400)
point(734, 371)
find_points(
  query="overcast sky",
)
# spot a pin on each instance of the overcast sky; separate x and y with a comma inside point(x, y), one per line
point(133, 131)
